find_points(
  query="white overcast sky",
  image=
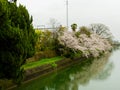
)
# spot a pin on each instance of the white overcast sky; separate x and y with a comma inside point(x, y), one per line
point(82, 12)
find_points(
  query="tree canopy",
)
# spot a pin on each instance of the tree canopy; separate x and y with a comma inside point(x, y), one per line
point(74, 27)
point(17, 39)
point(101, 30)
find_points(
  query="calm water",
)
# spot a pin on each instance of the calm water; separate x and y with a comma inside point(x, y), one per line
point(99, 74)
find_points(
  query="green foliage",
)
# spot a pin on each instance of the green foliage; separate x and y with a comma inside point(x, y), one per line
point(84, 30)
point(42, 62)
point(77, 34)
point(59, 48)
point(53, 64)
point(42, 55)
point(45, 40)
point(69, 53)
point(17, 40)
point(62, 29)
point(74, 27)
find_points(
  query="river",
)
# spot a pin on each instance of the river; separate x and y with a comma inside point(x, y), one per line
point(98, 74)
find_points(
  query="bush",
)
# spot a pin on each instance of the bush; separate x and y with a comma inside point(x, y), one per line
point(45, 40)
point(64, 51)
point(77, 34)
point(68, 53)
point(53, 64)
point(84, 30)
point(74, 27)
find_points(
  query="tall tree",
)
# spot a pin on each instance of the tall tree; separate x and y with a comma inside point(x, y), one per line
point(101, 30)
point(74, 27)
point(54, 23)
point(17, 40)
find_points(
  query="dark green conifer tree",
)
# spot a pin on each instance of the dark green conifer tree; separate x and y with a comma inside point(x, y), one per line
point(17, 40)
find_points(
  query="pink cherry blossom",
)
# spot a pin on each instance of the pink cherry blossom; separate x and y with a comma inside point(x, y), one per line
point(93, 45)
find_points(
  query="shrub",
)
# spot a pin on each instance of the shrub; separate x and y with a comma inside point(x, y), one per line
point(84, 30)
point(45, 40)
point(74, 27)
point(53, 64)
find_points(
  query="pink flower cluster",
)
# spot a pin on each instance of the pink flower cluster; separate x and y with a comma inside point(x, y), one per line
point(93, 45)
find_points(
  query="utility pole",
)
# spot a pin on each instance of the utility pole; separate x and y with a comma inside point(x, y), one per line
point(67, 13)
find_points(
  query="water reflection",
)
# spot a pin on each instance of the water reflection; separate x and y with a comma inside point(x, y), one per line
point(105, 72)
point(72, 77)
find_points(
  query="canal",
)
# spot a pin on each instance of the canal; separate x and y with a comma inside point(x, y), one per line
point(97, 74)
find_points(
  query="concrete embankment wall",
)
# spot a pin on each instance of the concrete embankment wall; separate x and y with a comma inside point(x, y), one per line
point(43, 70)
point(49, 68)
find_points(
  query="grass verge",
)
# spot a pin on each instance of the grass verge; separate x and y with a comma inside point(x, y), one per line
point(42, 62)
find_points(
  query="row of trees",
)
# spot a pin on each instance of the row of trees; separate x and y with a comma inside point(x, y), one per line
point(17, 39)
point(48, 40)
point(98, 28)
point(83, 42)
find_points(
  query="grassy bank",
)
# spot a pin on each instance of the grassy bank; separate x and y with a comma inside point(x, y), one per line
point(42, 62)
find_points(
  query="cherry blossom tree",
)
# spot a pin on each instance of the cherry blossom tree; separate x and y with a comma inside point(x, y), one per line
point(93, 45)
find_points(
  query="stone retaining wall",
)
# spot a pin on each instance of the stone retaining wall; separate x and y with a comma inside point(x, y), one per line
point(43, 70)
point(46, 69)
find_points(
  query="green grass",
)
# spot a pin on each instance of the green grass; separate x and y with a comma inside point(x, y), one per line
point(42, 62)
